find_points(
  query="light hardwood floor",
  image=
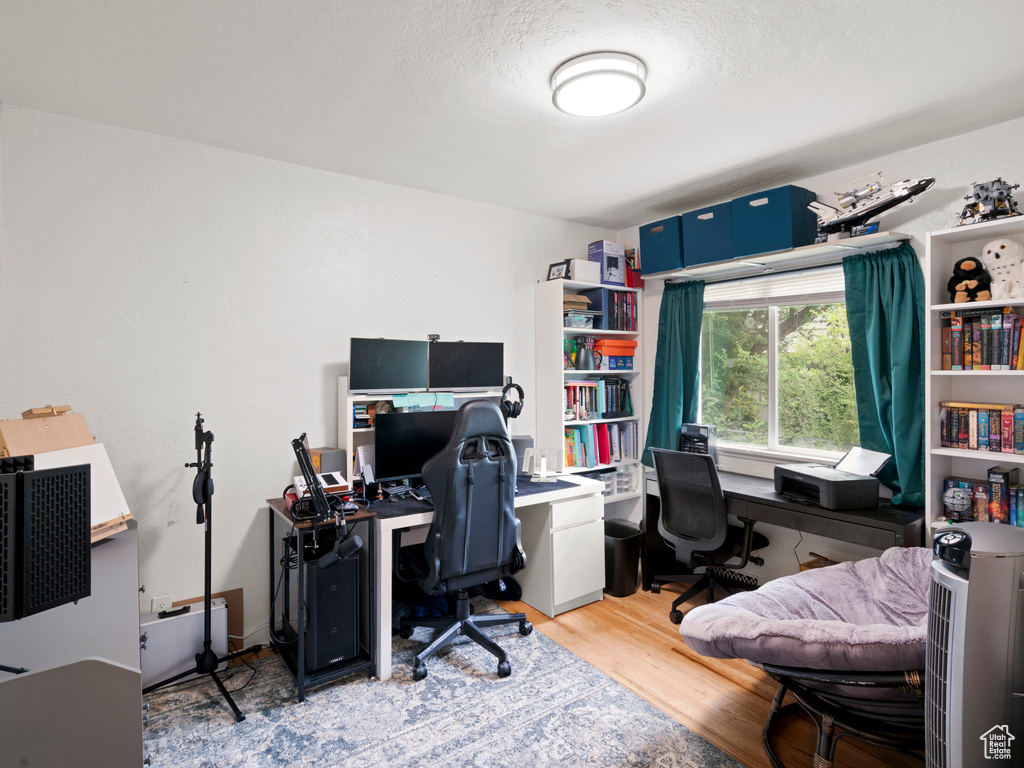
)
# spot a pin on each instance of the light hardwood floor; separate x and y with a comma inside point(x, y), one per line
point(725, 701)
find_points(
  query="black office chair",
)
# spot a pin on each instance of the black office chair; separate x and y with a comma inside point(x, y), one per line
point(693, 521)
point(474, 536)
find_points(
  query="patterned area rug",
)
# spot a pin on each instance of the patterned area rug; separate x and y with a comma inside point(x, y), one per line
point(554, 709)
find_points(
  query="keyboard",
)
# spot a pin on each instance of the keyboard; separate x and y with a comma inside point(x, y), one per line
point(422, 493)
point(395, 490)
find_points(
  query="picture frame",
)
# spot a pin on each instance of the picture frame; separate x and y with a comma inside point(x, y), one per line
point(558, 270)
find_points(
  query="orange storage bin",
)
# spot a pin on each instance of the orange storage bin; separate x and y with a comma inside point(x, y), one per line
point(617, 347)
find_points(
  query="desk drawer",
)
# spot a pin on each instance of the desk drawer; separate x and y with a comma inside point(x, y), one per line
point(565, 514)
point(808, 521)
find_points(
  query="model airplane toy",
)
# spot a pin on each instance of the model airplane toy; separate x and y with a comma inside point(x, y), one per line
point(864, 203)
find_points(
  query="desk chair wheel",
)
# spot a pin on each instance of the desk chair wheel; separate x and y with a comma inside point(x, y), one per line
point(655, 588)
point(675, 616)
point(525, 628)
point(405, 632)
point(419, 671)
point(504, 669)
point(756, 560)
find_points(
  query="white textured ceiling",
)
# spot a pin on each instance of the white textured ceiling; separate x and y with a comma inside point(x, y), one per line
point(452, 96)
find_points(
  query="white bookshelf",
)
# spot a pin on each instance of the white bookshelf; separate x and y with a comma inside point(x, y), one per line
point(942, 250)
point(552, 376)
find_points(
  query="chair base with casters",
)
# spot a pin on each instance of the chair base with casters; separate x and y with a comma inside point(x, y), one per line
point(462, 623)
point(718, 574)
point(888, 712)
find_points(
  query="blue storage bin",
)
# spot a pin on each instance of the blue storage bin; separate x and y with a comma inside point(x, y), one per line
point(661, 246)
point(707, 235)
point(775, 220)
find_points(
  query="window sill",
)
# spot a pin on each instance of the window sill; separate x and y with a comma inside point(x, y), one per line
point(738, 451)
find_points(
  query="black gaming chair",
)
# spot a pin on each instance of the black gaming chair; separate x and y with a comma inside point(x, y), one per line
point(694, 522)
point(474, 536)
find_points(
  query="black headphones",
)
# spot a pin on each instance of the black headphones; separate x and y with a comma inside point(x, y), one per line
point(512, 408)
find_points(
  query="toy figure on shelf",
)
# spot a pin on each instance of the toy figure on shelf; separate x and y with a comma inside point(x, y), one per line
point(866, 202)
point(990, 200)
point(1004, 260)
point(970, 282)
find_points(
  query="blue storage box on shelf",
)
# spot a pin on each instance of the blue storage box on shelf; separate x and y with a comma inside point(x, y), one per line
point(775, 220)
point(707, 235)
point(661, 246)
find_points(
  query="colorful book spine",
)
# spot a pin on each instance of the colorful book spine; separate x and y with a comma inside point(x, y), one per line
point(1007, 432)
point(1018, 430)
point(965, 429)
point(1012, 495)
point(981, 502)
point(972, 429)
point(957, 344)
point(985, 345)
point(995, 432)
point(997, 338)
point(982, 429)
point(968, 336)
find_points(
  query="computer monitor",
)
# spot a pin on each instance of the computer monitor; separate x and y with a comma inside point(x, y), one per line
point(404, 441)
point(466, 365)
point(387, 365)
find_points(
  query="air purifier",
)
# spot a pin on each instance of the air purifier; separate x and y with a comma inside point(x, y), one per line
point(974, 668)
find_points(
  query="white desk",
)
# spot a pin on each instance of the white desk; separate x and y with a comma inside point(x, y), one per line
point(562, 535)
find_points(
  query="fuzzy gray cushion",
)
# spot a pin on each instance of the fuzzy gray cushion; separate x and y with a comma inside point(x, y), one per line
point(869, 615)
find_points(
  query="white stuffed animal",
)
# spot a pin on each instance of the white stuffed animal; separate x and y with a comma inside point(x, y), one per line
point(1004, 262)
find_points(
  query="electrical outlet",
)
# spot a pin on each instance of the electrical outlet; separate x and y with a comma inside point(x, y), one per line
point(162, 603)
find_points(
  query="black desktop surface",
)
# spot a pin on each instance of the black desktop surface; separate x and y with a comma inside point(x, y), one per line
point(397, 507)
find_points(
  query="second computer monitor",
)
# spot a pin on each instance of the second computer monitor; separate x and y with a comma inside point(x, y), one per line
point(404, 441)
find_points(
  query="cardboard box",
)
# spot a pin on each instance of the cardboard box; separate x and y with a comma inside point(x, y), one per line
point(584, 271)
point(611, 256)
point(573, 301)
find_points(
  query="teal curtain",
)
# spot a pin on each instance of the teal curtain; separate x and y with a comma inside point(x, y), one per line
point(677, 365)
point(885, 309)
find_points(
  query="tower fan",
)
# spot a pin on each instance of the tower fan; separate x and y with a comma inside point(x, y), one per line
point(974, 671)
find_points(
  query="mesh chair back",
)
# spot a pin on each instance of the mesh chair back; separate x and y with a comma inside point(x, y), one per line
point(474, 536)
point(693, 516)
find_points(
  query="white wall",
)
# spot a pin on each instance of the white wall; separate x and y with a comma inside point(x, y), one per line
point(956, 164)
point(143, 279)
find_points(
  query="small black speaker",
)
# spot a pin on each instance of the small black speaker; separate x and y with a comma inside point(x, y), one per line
point(332, 630)
point(54, 541)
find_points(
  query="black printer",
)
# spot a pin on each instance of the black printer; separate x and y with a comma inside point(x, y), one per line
point(850, 484)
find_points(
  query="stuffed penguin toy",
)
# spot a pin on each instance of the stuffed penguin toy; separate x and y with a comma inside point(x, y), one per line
point(970, 282)
point(1004, 260)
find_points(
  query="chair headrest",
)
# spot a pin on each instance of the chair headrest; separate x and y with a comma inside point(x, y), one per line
point(479, 418)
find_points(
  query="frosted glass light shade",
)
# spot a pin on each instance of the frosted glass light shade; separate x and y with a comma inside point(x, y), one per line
point(598, 84)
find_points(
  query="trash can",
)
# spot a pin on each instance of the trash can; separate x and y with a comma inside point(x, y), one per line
point(621, 557)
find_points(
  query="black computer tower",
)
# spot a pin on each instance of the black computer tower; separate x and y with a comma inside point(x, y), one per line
point(698, 438)
point(332, 621)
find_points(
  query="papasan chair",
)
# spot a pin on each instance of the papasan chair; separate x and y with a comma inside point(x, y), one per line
point(847, 641)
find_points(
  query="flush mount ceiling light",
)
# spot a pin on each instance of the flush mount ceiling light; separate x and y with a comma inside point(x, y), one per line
point(598, 84)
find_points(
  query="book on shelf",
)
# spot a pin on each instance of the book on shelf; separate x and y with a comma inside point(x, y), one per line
point(982, 340)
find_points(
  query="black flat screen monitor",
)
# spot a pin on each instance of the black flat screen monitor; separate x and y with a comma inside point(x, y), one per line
point(466, 365)
point(404, 441)
point(387, 365)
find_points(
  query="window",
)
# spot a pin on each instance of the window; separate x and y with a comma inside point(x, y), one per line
point(776, 370)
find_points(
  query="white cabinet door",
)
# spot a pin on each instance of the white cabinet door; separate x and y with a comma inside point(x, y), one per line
point(578, 555)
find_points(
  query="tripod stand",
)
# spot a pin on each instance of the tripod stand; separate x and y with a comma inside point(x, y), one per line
point(207, 660)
